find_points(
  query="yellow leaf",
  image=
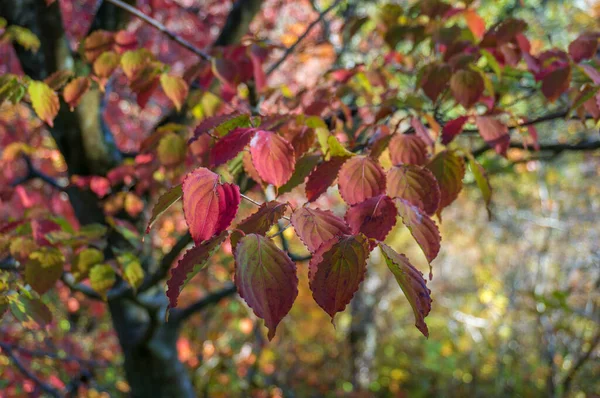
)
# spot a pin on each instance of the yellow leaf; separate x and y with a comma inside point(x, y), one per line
point(171, 150)
point(176, 89)
point(44, 100)
point(132, 62)
point(102, 278)
point(106, 63)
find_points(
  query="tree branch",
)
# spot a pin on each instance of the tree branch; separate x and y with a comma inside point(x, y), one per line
point(33, 173)
point(556, 148)
point(153, 22)
point(166, 262)
point(178, 316)
point(237, 22)
point(580, 362)
point(291, 49)
point(45, 387)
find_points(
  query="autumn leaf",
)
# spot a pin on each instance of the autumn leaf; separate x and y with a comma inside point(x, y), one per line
point(360, 178)
point(412, 283)
point(192, 262)
point(106, 63)
point(97, 43)
point(475, 23)
point(200, 203)
point(75, 90)
point(453, 128)
point(44, 101)
point(434, 79)
point(416, 185)
point(338, 269)
point(229, 201)
point(84, 261)
point(494, 132)
point(467, 87)
point(322, 177)
point(556, 82)
point(584, 47)
point(261, 221)
point(44, 268)
point(407, 148)
point(449, 171)
point(315, 226)
point(304, 166)
point(133, 62)
point(228, 147)
point(175, 88)
point(421, 227)
point(375, 217)
point(58, 79)
point(273, 157)
point(266, 279)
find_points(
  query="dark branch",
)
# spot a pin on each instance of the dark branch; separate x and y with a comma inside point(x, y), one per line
point(33, 173)
point(153, 22)
point(579, 364)
point(166, 262)
point(239, 18)
point(178, 316)
point(291, 49)
point(554, 148)
point(45, 387)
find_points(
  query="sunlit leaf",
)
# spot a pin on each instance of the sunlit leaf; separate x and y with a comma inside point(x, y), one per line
point(273, 157)
point(175, 88)
point(75, 90)
point(201, 203)
point(407, 148)
point(494, 132)
point(44, 101)
point(316, 226)
point(360, 178)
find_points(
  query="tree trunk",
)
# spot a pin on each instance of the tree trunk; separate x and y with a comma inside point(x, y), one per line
point(149, 346)
point(151, 364)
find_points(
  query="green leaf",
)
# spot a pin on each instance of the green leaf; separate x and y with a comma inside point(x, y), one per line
point(27, 308)
point(84, 261)
point(164, 202)
point(304, 166)
point(102, 278)
point(24, 37)
point(44, 100)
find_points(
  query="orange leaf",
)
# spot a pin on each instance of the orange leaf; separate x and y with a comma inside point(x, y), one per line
point(44, 100)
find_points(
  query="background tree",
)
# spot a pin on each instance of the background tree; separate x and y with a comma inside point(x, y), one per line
point(141, 146)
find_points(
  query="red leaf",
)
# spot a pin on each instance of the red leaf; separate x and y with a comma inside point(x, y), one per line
point(449, 170)
point(405, 148)
point(229, 201)
point(339, 271)
point(434, 79)
point(584, 47)
point(453, 128)
point(230, 145)
point(190, 264)
point(467, 87)
point(273, 157)
point(556, 82)
point(322, 177)
point(416, 185)
point(208, 206)
point(494, 132)
point(412, 283)
point(315, 226)
point(375, 217)
point(421, 227)
point(421, 131)
point(266, 279)
point(360, 178)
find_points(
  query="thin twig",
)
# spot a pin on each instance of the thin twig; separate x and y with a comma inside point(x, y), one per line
point(254, 202)
point(291, 49)
point(555, 148)
point(153, 22)
point(45, 387)
point(213, 298)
